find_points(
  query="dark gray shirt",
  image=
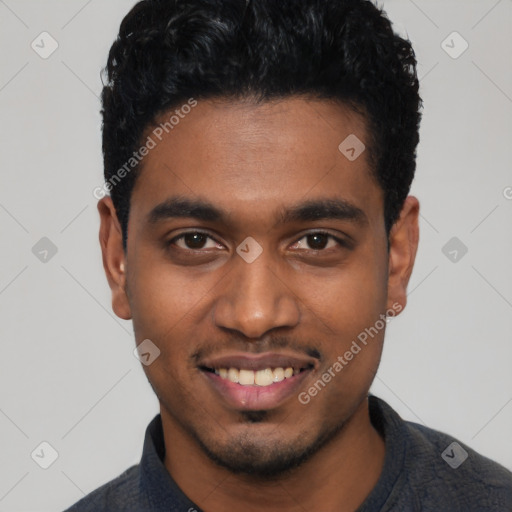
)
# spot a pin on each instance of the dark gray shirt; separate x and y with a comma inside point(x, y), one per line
point(424, 470)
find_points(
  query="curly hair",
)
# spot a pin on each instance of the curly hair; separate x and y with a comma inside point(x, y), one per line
point(168, 51)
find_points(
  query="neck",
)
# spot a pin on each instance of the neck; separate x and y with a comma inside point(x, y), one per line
point(337, 478)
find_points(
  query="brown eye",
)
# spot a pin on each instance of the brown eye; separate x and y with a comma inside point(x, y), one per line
point(318, 242)
point(194, 240)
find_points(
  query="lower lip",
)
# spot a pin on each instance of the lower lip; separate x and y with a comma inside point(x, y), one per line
point(256, 398)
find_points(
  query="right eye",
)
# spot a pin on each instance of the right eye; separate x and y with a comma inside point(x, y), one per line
point(193, 240)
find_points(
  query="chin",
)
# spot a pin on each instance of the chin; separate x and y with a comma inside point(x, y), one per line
point(264, 458)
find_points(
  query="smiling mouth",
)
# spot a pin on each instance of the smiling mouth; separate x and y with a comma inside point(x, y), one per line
point(264, 377)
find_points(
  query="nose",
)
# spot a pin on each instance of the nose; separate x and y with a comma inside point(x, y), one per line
point(256, 299)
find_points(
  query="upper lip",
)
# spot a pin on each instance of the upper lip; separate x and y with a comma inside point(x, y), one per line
point(257, 362)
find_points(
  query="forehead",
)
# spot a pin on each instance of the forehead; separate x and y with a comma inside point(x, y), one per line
point(249, 158)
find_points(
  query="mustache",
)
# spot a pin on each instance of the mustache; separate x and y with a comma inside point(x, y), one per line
point(251, 346)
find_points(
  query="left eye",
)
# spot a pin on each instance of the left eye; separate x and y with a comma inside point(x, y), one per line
point(318, 241)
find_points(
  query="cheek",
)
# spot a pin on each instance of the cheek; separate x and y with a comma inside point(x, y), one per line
point(350, 299)
point(162, 298)
point(350, 304)
point(165, 307)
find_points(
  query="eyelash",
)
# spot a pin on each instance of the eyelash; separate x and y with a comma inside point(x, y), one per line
point(341, 242)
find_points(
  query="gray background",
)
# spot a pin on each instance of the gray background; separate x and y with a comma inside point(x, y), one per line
point(67, 372)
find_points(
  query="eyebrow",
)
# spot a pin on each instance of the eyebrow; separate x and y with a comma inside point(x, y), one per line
point(311, 210)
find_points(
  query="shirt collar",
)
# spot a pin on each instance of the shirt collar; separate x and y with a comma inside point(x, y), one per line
point(393, 430)
point(156, 485)
point(162, 493)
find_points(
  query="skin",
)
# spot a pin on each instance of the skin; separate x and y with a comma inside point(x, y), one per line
point(251, 160)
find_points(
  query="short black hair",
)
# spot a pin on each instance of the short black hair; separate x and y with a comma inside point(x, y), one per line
point(169, 51)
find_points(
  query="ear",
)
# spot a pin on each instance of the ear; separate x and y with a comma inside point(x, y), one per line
point(114, 258)
point(403, 244)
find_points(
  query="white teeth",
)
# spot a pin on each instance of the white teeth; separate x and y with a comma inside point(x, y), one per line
point(246, 377)
point(233, 375)
point(278, 375)
point(264, 377)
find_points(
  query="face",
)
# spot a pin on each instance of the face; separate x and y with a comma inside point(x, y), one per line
point(257, 249)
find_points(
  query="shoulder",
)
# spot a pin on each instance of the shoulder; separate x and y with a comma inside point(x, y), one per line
point(121, 493)
point(426, 469)
point(445, 470)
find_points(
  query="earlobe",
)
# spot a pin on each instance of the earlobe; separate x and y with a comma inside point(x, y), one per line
point(114, 257)
point(403, 245)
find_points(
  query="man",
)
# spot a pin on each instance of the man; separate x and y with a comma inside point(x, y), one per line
point(259, 234)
